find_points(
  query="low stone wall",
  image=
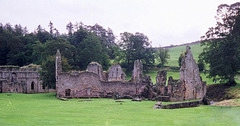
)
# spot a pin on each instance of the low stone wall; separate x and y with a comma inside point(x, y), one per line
point(178, 105)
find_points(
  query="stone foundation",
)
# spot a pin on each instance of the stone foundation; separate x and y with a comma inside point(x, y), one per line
point(178, 105)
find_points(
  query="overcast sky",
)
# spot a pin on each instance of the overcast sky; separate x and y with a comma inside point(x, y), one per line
point(165, 22)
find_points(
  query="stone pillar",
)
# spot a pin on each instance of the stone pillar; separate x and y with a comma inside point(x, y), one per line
point(58, 65)
point(137, 74)
point(161, 82)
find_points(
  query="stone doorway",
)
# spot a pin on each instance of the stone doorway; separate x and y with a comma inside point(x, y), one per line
point(32, 85)
point(0, 86)
point(67, 92)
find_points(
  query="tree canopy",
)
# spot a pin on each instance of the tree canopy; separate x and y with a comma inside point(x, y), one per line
point(136, 46)
point(222, 51)
point(162, 56)
point(80, 46)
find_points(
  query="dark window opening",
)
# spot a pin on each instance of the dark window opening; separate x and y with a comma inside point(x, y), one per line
point(13, 77)
point(0, 86)
point(32, 85)
point(67, 92)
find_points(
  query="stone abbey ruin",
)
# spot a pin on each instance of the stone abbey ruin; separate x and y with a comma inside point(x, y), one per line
point(14, 79)
point(94, 82)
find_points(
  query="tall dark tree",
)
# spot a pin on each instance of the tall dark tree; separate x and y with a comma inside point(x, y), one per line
point(69, 27)
point(51, 28)
point(43, 35)
point(107, 37)
point(50, 48)
point(222, 51)
point(12, 45)
point(48, 71)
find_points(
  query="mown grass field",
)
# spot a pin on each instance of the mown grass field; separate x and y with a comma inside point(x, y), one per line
point(46, 109)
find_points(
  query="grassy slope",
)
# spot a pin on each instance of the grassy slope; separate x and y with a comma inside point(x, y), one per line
point(45, 109)
point(176, 51)
point(173, 62)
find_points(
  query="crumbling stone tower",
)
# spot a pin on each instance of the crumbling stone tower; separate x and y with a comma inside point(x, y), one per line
point(190, 76)
point(137, 74)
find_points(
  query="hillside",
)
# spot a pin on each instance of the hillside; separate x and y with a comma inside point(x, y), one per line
point(174, 53)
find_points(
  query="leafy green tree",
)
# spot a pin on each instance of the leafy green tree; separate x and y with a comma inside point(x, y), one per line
point(201, 65)
point(136, 47)
point(50, 48)
point(180, 58)
point(222, 43)
point(162, 56)
point(48, 71)
point(90, 49)
point(13, 45)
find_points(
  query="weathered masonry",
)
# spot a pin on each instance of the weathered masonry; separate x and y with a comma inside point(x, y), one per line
point(14, 79)
point(94, 82)
point(190, 85)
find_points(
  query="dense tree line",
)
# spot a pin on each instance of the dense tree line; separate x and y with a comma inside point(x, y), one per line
point(81, 45)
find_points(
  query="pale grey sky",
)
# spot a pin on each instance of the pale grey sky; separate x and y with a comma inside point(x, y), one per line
point(165, 22)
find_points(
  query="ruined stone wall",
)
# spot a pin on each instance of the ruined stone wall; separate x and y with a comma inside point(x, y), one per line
point(115, 73)
point(161, 82)
point(188, 87)
point(122, 88)
point(18, 80)
point(96, 68)
point(88, 84)
point(84, 84)
point(189, 74)
point(175, 90)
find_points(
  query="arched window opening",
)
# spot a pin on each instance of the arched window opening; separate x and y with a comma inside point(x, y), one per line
point(32, 85)
point(67, 92)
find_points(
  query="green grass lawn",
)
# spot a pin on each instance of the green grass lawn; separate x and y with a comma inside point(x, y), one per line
point(46, 109)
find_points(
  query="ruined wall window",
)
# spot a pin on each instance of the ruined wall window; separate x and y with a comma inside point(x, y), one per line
point(13, 77)
point(32, 85)
point(0, 86)
point(89, 91)
point(67, 92)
